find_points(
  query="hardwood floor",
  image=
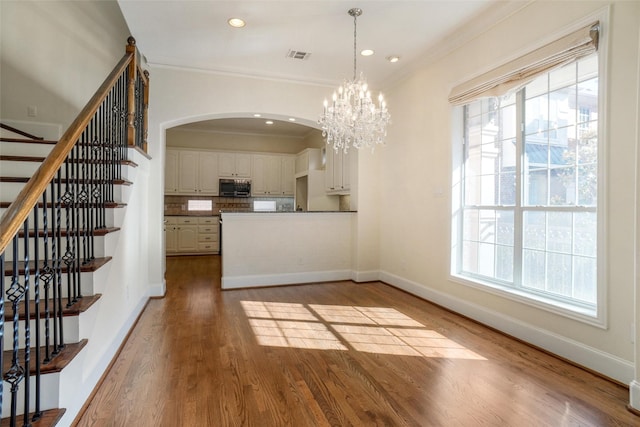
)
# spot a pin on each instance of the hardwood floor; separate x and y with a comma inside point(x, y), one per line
point(338, 354)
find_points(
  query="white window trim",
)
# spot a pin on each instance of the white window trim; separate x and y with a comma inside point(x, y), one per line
point(598, 317)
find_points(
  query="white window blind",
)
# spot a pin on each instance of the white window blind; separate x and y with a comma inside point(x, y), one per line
point(517, 73)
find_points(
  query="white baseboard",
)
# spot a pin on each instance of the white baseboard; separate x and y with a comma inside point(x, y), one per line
point(158, 289)
point(254, 281)
point(584, 355)
point(634, 395)
point(365, 276)
point(84, 390)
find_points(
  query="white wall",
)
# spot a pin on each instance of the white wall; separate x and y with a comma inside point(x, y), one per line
point(414, 239)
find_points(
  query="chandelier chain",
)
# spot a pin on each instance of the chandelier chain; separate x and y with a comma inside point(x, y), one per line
point(355, 38)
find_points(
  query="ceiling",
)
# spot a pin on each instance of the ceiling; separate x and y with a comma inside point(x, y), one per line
point(195, 34)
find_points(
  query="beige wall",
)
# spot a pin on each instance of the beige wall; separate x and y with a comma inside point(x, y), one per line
point(414, 238)
point(180, 138)
point(55, 55)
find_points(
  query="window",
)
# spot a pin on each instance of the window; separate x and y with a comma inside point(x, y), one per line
point(199, 205)
point(527, 221)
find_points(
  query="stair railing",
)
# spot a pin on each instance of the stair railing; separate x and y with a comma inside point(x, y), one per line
point(47, 233)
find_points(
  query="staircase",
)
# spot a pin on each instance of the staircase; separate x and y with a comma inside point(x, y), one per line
point(56, 261)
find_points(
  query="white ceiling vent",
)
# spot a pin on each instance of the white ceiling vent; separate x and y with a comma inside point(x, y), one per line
point(296, 54)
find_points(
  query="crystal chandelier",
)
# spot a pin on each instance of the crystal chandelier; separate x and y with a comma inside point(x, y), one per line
point(352, 118)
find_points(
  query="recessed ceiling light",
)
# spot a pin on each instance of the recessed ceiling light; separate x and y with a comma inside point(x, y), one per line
point(269, 122)
point(257, 115)
point(367, 52)
point(236, 22)
point(291, 119)
point(393, 58)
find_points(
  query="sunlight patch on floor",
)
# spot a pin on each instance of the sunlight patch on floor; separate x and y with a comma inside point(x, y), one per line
point(381, 330)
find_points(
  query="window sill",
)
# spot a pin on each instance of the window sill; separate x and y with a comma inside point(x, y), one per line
point(580, 314)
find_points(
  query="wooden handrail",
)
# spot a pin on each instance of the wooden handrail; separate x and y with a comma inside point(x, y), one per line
point(19, 210)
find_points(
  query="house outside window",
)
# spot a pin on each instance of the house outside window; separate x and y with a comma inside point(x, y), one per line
point(527, 222)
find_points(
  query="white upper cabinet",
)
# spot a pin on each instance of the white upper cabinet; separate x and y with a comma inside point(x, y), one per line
point(234, 165)
point(171, 172)
point(198, 172)
point(272, 175)
point(337, 174)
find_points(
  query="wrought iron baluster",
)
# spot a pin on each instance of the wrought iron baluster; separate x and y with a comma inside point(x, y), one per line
point(15, 374)
point(36, 292)
point(57, 293)
point(75, 236)
point(46, 275)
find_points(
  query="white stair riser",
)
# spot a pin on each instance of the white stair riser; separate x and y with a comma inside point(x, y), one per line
point(49, 397)
point(86, 284)
point(71, 325)
point(9, 191)
point(98, 251)
point(27, 169)
point(51, 219)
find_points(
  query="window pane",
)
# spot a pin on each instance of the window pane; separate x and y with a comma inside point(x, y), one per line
point(559, 270)
point(587, 103)
point(588, 68)
point(533, 269)
point(585, 234)
point(534, 230)
point(504, 227)
point(486, 259)
point(559, 231)
point(536, 114)
point(536, 87)
point(585, 279)
point(504, 263)
point(562, 77)
point(562, 188)
point(561, 110)
point(507, 121)
point(470, 225)
point(507, 189)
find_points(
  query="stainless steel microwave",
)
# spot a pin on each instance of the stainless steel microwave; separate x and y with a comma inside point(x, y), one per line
point(235, 188)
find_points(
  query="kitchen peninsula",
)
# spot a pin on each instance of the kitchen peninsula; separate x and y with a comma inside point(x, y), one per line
point(280, 248)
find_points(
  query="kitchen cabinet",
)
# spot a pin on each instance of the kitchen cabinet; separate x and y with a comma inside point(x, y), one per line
point(170, 232)
point(337, 172)
point(234, 165)
point(272, 175)
point(191, 235)
point(209, 234)
point(171, 172)
point(187, 234)
point(287, 176)
point(198, 172)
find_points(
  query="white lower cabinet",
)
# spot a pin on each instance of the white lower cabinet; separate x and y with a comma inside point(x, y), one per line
point(191, 235)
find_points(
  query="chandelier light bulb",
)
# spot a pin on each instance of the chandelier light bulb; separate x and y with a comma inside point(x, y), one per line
point(354, 119)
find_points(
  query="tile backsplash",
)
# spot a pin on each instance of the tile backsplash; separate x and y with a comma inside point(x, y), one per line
point(177, 205)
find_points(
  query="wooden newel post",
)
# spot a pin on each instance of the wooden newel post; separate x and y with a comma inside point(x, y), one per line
point(131, 92)
point(145, 121)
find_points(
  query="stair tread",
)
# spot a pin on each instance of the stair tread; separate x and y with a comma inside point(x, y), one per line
point(49, 418)
point(108, 205)
point(78, 307)
point(23, 179)
point(57, 362)
point(63, 232)
point(41, 159)
point(90, 266)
